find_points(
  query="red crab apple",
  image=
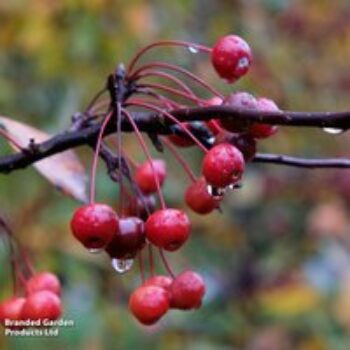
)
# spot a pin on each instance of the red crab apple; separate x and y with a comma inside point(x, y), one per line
point(223, 165)
point(146, 173)
point(168, 228)
point(94, 225)
point(149, 303)
point(231, 57)
point(43, 281)
point(11, 309)
point(187, 291)
point(42, 305)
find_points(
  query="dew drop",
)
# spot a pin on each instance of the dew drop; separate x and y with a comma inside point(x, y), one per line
point(216, 192)
point(193, 49)
point(234, 186)
point(243, 63)
point(211, 140)
point(333, 131)
point(122, 265)
point(95, 250)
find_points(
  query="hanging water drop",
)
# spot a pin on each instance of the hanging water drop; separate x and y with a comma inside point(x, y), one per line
point(95, 250)
point(122, 265)
point(333, 131)
point(193, 49)
point(234, 186)
point(216, 192)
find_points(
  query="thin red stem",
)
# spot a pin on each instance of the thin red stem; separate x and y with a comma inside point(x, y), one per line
point(99, 104)
point(148, 156)
point(95, 160)
point(151, 259)
point(181, 84)
point(168, 102)
point(95, 98)
point(180, 159)
point(173, 67)
point(171, 90)
point(141, 267)
point(165, 263)
point(165, 43)
point(175, 120)
point(119, 153)
point(27, 261)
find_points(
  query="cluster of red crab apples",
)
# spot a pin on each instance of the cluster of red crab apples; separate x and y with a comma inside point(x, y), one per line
point(41, 303)
point(98, 227)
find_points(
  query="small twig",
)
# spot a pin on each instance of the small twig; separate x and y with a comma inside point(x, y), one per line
point(302, 162)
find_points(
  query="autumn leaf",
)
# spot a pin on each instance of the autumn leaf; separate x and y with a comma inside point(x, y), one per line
point(64, 170)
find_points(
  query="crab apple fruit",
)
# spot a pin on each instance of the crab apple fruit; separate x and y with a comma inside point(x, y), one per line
point(149, 303)
point(145, 175)
point(182, 140)
point(187, 291)
point(239, 100)
point(168, 228)
point(94, 225)
point(140, 207)
point(231, 57)
point(223, 165)
point(261, 131)
point(198, 198)
point(128, 240)
point(245, 143)
point(42, 305)
point(43, 281)
point(11, 309)
point(159, 281)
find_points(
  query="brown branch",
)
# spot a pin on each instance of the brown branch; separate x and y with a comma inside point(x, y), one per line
point(157, 124)
point(281, 159)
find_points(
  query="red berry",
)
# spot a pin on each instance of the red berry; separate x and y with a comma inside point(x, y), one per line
point(245, 143)
point(128, 240)
point(223, 165)
point(138, 206)
point(198, 198)
point(231, 57)
point(187, 291)
point(149, 303)
point(42, 305)
point(145, 175)
point(261, 131)
point(213, 124)
point(43, 281)
point(182, 141)
point(11, 309)
point(239, 100)
point(94, 225)
point(168, 228)
point(159, 281)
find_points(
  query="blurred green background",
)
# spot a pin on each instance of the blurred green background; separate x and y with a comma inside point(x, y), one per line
point(277, 260)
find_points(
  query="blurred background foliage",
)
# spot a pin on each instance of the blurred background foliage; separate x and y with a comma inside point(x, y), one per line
point(276, 261)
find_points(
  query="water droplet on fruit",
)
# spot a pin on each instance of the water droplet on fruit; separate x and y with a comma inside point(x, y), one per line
point(193, 49)
point(95, 250)
point(216, 192)
point(243, 62)
point(211, 140)
point(234, 186)
point(122, 265)
point(333, 131)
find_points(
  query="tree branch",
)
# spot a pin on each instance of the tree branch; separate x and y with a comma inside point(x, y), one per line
point(155, 123)
point(281, 159)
